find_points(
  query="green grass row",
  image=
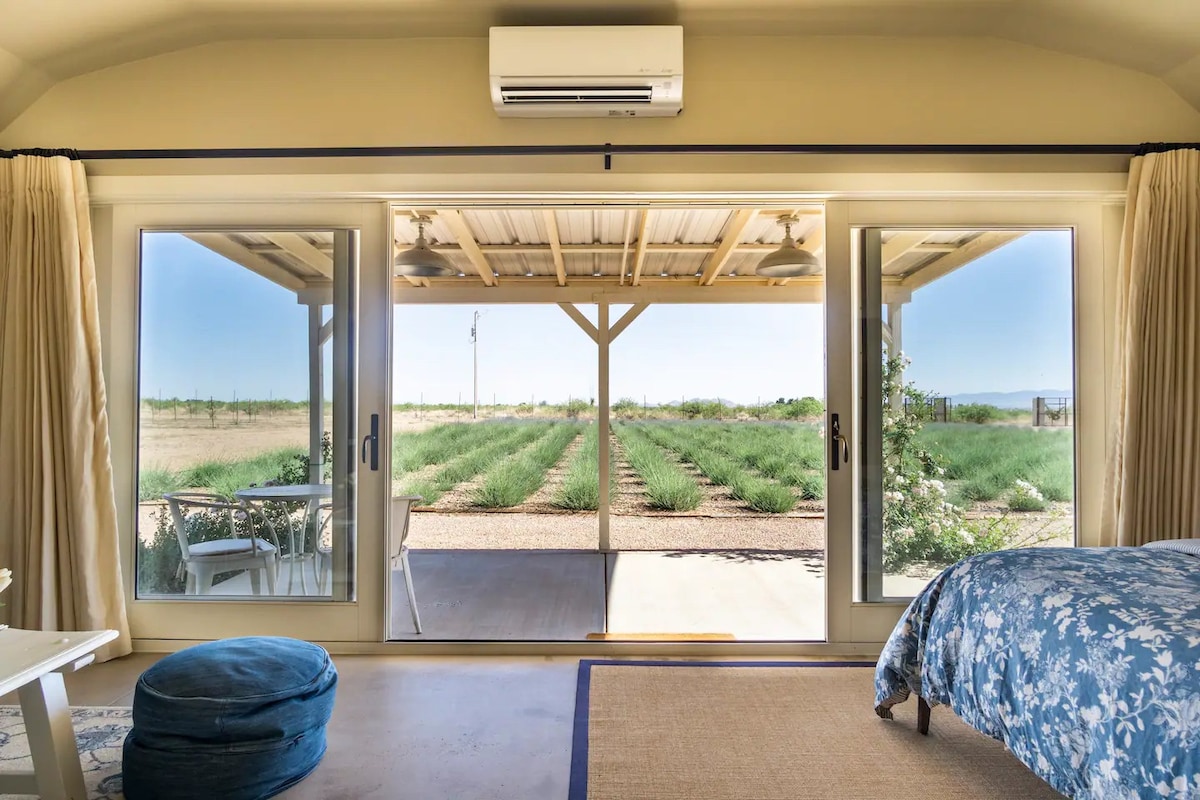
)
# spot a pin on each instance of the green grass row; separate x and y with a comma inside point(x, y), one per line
point(580, 490)
point(413, 450)
point(693, 443)
point(668, 486)
point(511, 481)
point(793, 455)
point(507, 439)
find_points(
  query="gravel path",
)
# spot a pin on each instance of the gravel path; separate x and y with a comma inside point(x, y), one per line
point(579, 531)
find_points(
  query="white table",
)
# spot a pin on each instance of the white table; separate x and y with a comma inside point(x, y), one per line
point(32, 663)
point(310, 494)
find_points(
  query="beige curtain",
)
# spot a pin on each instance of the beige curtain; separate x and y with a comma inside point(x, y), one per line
point(1152, 490)
point(58, 516)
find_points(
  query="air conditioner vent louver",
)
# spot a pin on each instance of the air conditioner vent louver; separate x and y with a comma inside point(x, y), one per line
point(541, 95)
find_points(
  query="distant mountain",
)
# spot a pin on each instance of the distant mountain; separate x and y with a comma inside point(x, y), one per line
point(1022, 399)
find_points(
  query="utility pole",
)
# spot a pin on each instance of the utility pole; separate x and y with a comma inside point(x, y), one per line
point(475, 359)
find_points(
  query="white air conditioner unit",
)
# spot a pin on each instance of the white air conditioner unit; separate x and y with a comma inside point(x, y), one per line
point(605, 71)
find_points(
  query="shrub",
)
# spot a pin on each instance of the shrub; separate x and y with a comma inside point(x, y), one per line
point(1024, 496)
point(295, 471)
point(979, 413)
point(702, 409)
point(626, 408)
point(919, 524)
point(812, 486)
point(154, 482)
point(575, 407)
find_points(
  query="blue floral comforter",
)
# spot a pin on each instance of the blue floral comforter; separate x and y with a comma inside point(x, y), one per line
point(1085, 662)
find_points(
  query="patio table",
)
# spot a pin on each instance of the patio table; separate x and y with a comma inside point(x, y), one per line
point(32, 663)
point(310, 494)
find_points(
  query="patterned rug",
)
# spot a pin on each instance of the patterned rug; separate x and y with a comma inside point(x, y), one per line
point(99, 732)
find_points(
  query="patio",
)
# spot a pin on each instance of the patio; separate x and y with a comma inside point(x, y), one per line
point(540, 595)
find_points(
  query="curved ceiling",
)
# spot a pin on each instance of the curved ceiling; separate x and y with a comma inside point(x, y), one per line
point(46, 41)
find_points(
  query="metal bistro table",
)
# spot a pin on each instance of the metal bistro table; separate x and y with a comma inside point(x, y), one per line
point(33, 663)
point(311, 495)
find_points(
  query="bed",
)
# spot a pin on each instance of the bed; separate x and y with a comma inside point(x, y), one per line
point(1085, 662)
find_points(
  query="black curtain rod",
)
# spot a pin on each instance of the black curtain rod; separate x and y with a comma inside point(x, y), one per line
point(631, 149)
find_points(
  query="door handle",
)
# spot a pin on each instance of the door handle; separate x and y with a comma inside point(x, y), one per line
point(371, 440)
point(839, 447)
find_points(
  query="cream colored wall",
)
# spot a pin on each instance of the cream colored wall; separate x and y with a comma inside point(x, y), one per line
point(425, 92)
point(749, 89)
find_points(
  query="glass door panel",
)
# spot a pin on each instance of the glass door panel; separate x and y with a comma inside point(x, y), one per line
point(967, 379)
point(246, 376)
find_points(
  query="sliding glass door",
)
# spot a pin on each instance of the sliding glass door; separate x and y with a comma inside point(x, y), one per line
point(971, 407)
point(253, 465)
point(968, 383)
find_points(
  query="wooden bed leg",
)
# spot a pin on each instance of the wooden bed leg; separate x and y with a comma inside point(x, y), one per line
point(923, 712)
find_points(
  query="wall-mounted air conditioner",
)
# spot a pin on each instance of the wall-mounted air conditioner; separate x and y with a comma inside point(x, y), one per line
point(606, 71)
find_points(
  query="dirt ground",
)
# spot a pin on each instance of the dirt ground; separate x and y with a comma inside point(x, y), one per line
point(179, 441)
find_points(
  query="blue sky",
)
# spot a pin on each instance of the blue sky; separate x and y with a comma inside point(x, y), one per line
point(210, 327)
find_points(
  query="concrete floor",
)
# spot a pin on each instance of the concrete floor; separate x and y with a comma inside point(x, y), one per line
point(416, 727)
point(547, 596)
point(523, 595)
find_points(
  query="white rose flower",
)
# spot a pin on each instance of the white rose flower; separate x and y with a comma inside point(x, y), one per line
point(5, 579)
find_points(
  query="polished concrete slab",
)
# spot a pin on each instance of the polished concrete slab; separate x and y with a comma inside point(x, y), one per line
point(431, 728)
point(746, 595)
point(490, 595)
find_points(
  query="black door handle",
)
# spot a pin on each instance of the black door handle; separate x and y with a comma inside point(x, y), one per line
point(371, 440)
point(839, 447)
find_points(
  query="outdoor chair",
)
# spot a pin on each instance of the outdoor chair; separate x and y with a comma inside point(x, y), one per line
point(401, 506)
point(232, 552)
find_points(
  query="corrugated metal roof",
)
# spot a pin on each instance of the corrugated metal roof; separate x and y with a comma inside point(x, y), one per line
point(601, 244)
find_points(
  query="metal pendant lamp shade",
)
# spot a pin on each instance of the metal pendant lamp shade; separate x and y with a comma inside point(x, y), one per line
point(419, 261)
point(789, 261)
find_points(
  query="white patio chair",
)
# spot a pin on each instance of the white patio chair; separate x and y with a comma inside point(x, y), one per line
point(202, 560)
point(401, 506)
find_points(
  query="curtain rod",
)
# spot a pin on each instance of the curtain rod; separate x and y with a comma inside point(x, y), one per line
point(609, 150)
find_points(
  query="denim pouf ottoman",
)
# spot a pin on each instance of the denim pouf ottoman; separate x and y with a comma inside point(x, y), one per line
point(238, 719)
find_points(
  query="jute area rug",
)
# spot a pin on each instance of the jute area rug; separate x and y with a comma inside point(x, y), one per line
point(99, 733)
point(771, 731)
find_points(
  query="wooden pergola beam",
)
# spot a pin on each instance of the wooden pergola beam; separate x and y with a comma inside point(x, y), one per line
point(978, 247)
point(639, 253)
point(466, 240)
point(729, 242)
point(556, 250)
point(296, 245)
point(583, 322)
point(223, 245)
point(626, 320)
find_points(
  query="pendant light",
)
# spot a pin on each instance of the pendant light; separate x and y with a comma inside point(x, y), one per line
point(789, 261)
point(419, 261)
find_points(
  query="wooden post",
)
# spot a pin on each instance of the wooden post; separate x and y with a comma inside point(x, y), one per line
point(316, 391)
point(603, 338)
